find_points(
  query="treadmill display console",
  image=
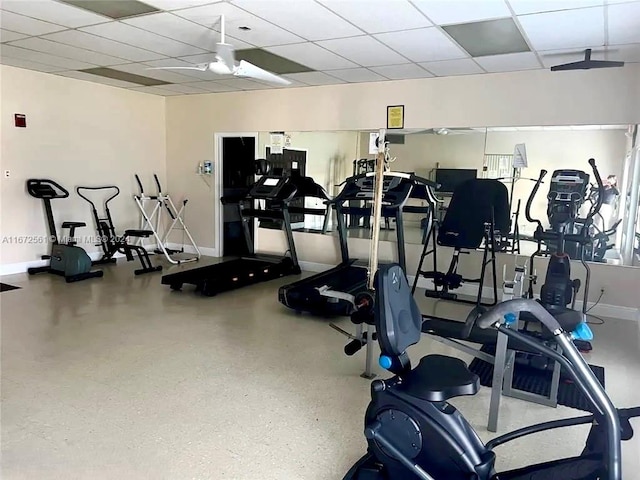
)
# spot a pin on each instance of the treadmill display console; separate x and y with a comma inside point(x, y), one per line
point(270, 187)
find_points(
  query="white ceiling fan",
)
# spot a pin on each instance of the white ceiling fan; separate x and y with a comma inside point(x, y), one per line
point(226, 64)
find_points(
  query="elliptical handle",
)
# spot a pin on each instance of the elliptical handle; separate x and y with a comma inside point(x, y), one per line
point(527, 211)
point(155, 177)
point(139, 184)
point(497, 313)
point(596, 208)
point(34, 183)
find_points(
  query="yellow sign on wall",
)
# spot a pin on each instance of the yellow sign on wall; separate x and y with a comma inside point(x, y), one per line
point(395, 116)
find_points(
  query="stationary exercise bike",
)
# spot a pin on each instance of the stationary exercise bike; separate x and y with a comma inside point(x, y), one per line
point(413, 433)
point(66, 259)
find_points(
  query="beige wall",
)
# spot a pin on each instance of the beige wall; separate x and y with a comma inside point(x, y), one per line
point(78, 133)
point(609, 96)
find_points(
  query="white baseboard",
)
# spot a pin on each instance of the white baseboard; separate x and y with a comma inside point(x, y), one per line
point(22, 267)
point(207, 251)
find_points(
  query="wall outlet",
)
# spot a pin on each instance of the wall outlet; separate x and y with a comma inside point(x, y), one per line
point(7, 173)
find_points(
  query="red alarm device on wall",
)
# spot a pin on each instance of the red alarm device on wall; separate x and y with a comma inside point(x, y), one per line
point(21, 120)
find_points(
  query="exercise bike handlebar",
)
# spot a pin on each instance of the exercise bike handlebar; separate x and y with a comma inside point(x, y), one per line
point(106, 187)
point(527, 210)
point(43, 188)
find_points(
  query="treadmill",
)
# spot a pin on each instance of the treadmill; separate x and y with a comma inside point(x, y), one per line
point(350, 277)
point(277, 193)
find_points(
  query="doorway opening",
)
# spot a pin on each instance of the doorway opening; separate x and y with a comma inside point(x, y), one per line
point(238, 155)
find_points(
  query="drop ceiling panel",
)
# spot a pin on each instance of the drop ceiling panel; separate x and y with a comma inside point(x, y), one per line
point(244, 84)
point(47, 59)
point(566, 29)
point(155, 91)
point(305, 18)
point(509, 63)
point(28, 64)
point(177, 28)
point(54, 12)
point(183, 88)
point(28, 26)
point(164, 75)
point(488, 37)
point(142, 39)
point(377, 16)
point(262, 33)
point(422, 45)
point(98, 79)
point(364, 50)
point(67, 51)
point(314, 78)
point(103, 45)
point(445, 12)
point(523, 7)
point(211, 87)
point(175, 4)
point(402, 72)
point(445, 68)
point(312, 55)
point(624, 23)
point(355, 75)
point(8, 36)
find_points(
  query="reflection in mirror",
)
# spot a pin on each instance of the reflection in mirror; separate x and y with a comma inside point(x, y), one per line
point(450, 155)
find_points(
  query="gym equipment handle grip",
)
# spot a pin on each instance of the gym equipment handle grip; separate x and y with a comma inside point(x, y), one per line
point(33, 183)
point(497, 313)
point(352, 347)
point(527, 210)
point(596, 174)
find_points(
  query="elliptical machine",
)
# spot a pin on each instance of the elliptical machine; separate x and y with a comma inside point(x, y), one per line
point(66, 259)
point(567, 193)
point(413, 433)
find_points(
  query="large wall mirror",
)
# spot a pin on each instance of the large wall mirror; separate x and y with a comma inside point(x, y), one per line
point(450, 155)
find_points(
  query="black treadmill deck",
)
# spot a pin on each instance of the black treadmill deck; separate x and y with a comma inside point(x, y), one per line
point(303, 296)
point(231, 274)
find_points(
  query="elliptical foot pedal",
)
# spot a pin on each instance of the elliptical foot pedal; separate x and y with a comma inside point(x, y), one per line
point(440, 295)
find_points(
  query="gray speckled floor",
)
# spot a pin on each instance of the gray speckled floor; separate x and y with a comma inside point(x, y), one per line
point(121, 378)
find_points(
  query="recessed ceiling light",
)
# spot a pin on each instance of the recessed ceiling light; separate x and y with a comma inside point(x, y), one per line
point(246, 29)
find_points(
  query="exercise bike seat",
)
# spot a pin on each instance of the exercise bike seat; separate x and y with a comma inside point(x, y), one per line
point(73, 224)
point(138, 233)
point(438, 378)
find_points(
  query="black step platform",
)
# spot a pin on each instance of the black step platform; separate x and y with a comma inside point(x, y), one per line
point(537, 381)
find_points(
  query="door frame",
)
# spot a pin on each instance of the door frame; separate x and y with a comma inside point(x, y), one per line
point(218, 219)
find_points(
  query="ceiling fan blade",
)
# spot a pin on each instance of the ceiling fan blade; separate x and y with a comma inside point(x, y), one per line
point(225, 54)
point(202, 68)
point(586, 65)
point(246, 69)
